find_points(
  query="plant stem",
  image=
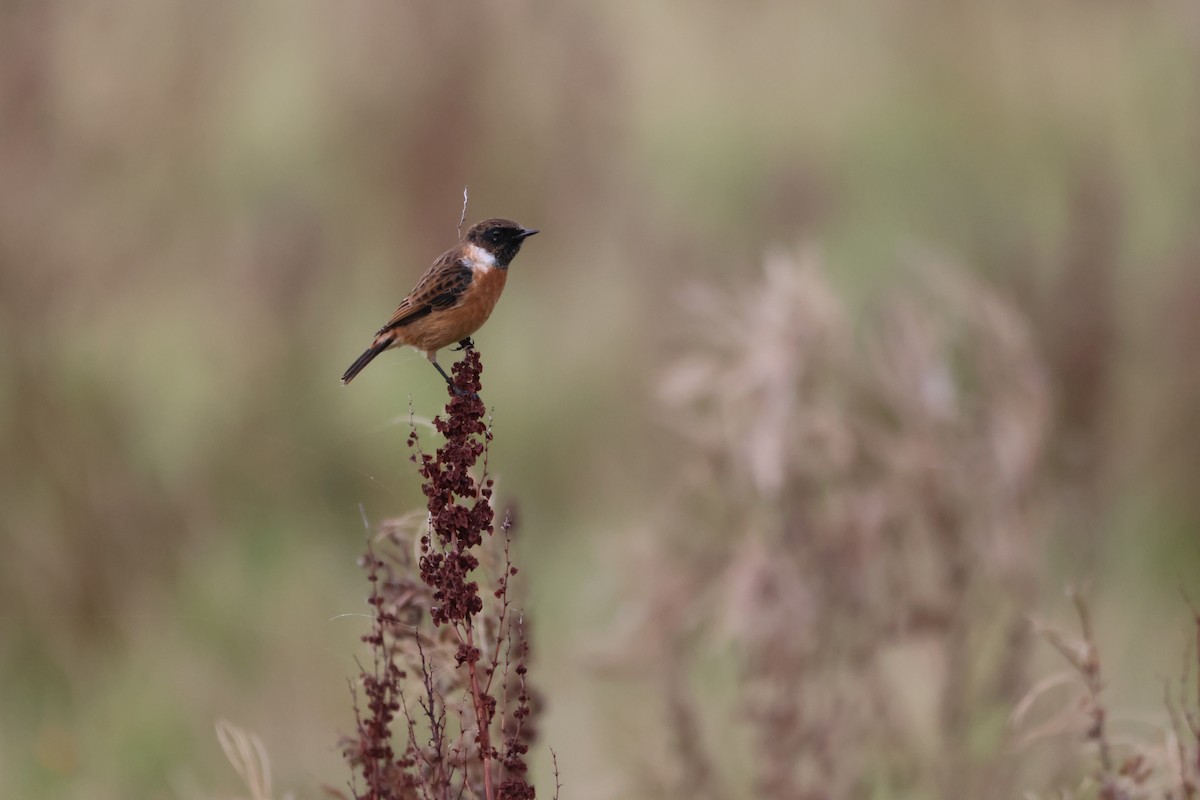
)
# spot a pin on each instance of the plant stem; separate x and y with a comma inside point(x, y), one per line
point(481, 718)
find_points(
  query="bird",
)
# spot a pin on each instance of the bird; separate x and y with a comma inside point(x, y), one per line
point(454, 297)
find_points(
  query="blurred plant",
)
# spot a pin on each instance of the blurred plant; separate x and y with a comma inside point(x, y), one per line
point(858, 528)
point(248, 756)
point(1165, 766)
point(433, 627)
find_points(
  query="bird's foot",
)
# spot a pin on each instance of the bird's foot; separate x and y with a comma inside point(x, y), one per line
point(463, 344)
point(454, 387)
point(464, 392)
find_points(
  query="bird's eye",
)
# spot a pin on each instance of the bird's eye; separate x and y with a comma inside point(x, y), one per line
point(496, 235)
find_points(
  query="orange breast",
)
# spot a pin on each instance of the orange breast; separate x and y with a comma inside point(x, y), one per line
point(451, 325)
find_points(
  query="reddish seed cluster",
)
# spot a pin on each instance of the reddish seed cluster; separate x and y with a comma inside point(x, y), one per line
point(516, 740)
point(371, 751)
point(460, 514)
point(458, 526)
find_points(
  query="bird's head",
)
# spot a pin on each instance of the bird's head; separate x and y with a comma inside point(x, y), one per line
point(500, 237)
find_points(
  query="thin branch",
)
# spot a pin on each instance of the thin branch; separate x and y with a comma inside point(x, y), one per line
point(437, 724)
point(557, 782)
point(463, 217)
point(502, 595)
point(482, 720)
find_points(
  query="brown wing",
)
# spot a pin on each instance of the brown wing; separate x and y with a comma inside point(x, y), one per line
point(440, 287)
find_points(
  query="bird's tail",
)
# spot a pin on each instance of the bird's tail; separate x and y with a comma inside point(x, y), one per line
point(378, 347)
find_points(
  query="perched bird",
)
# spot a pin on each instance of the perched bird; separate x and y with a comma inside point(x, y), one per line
point(454, 297)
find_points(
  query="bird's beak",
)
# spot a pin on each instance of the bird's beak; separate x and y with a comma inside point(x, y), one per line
point(527, 232)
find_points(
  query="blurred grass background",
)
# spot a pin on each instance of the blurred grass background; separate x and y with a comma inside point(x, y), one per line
point(206, 210)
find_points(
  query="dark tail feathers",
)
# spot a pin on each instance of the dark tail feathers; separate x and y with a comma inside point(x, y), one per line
point(363, 360)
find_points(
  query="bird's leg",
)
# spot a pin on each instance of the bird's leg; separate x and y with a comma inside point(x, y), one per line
point(463, 344)
point(450, 381)
point(438, 367)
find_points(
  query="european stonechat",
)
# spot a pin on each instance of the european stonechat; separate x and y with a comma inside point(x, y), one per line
point(454, 297)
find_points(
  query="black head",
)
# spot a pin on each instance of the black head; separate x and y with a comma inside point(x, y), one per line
point(500, 237)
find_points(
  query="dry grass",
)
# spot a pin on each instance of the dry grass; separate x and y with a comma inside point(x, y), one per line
point(248, 755)
point(855, 500)
point(1162, 764)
